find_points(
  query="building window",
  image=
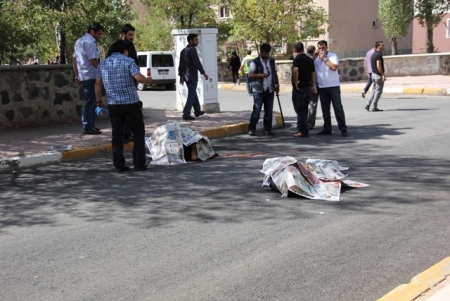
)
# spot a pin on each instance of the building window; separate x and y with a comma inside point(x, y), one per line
point(223, 12)
point(448, 28)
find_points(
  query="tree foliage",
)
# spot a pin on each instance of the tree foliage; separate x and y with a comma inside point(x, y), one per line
point(61, 22)
point(396, 16)
point(277, 20)
point(429, 13)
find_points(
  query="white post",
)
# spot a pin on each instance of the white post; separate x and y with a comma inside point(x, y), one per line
point(207, 52)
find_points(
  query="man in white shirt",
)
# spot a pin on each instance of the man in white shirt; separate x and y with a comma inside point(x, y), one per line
point(85, 62)
point(326, 65)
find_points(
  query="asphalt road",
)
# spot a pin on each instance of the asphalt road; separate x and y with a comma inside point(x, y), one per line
point(208, 231)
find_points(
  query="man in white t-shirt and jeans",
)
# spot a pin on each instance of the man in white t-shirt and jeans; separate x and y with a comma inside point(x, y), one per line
point(326, 65)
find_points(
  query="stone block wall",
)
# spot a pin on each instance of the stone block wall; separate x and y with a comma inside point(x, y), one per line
point(352, 69)
point(42, 94)
point(38, 94)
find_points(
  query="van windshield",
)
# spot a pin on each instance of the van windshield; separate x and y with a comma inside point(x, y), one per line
point(162, 60)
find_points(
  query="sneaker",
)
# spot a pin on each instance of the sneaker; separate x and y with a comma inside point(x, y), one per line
point(269, 133)
point(363, 94)
point(200, 114)
point(251, 133)
point(188, 118)
point(367, 108)
point(376, 110)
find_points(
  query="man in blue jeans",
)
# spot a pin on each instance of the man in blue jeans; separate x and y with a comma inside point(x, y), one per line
point(326, 65)
point(85, 62)
point(188, 71)
point(263, 73)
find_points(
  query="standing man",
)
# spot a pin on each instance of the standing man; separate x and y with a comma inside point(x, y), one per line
point(85, 62)
point(312, 108)
point(117, 74)
point(188, 71)
point(245, 65)
point(234, 65)
point(378, 77)
point(263, 73)
point(303, 85)
point(326, 64)
point(127, 35)
point(368, 66)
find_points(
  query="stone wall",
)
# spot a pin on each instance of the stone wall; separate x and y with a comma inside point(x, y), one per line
point(352, 69)
point(38, 94)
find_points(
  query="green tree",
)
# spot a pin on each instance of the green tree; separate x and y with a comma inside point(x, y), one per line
point(430, 13)
point(185, 13)
point(42, 23)
point(276, 21)
point(153, 32)
point(396, 16)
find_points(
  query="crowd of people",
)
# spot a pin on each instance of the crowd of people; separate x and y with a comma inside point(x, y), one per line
point(315, 79)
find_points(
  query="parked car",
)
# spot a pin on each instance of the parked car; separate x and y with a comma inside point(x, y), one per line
point(160, 66)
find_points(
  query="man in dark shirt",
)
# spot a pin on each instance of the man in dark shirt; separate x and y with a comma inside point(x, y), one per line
point(127, 35)
point(378, 77)
point(303, 86)
point(188, 71)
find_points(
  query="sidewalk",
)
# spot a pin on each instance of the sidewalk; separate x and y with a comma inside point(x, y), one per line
point(438, 85)
point(31, 147)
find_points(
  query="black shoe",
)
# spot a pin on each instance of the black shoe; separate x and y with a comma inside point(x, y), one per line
point(200, 114)
point(97, 129)
point(91, 132)
point(188, 118)
point(140, 168)
point(367, 108)
point(122, 169)
point(269, 133)
point(311, 127)
point(251, 133)
point(323, 132)
point(377, 110)
point(344, 134)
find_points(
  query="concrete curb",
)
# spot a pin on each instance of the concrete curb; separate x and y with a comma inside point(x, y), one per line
point(420, 283)
point(357, 90)
point(8, 165)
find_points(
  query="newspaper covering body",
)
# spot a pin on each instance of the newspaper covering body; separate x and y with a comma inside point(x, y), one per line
point(166, 144)
point(314, 179)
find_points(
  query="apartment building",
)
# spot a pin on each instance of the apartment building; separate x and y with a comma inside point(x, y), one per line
point(354, 27)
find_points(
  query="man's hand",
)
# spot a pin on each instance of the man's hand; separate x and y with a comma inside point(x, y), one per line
point(76, 79)
point(296, 85)
point(383, 77)
point(206, 76)
point(181, 81)
point(277, 89)
point(148, 80)
point(313, 89)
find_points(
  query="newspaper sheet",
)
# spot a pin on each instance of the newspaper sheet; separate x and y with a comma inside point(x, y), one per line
point(166, 144)
point(314, 179)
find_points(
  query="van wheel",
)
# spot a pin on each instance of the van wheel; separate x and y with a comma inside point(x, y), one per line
point(170, 86)
point(141, 87)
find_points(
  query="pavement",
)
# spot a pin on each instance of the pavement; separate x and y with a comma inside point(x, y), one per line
point(30, 147)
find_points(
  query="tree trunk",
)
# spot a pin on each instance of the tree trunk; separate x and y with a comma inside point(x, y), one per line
point(429, 39)
point(394, 47)
point(63, 48)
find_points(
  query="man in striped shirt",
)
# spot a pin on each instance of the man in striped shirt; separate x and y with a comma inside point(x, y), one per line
point(116, 74)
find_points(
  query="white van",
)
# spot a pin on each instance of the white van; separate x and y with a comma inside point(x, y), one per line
point(160, 66)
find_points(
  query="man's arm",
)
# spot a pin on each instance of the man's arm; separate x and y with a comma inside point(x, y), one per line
point(313, 83)
point(98, 90)
point(380, 69)
point(142, 79)
point(94, 62)
point(75, 69)
point(196, 61)
point(295, 80)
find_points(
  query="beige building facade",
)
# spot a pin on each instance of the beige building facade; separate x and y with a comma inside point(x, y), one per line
point(441, 36)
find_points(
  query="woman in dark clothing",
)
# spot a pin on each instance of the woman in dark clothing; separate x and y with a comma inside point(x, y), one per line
point(235, 64)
